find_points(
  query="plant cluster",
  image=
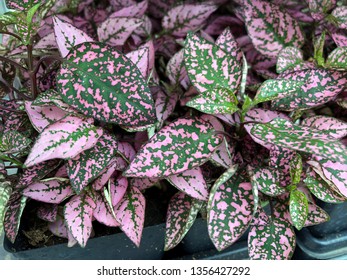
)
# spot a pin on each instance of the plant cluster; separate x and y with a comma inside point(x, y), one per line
point(239, 105)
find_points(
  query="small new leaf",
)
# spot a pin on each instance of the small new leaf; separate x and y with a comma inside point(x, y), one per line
point(298, 208)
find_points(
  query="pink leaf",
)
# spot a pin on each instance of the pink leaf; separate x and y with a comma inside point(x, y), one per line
point(126, 150)
point(78, 213)
point(115, 31)
point(106, 174)
point(176, 71)
point(319, 8)
point(49, 191)
point(64, 139)
point(334, 127)
point(118, 188)
point(316, 215)
point(187, 17)
point(41, 117)
point(140, 58)
point(68, 36)
point(227, 42)
point(165, 106)
point(102, 213)
point(136, 10)
point(130, 213)
point(142, 183)
point(48, 212)
point(191, 182)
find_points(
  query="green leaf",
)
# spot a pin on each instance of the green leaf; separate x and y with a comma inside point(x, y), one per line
point(337, 59)
point(288, 58)
point(276, 89)
point(298, 208)
point(296, 169)
point(9, 18)
point(5, 192)
point(283, 133)
point(13, 142)
point(319, 49)
point(32, 11)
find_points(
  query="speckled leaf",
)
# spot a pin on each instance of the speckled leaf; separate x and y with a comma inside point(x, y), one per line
point(274, 240)
point(102, 212)
point(115, 31)
point(126, 150)
point(142, 183)
point(136, 10)
point(320, 86)
point(5, 192)
point(183, 18)
point(337, 59)
point(266, 181)
point(340, 15)
point(36, 172)
point(230, 210)
point(13, 141)
point(100, 82)
point(164, 106)
point(78, 213)
point(48, 212)
point(21, 4)
point(176, 70)
point(214, 73)
point(288, 58)
point(49, 191)
point(117, 189)
point(276, 89)
point(58, 227)
point(296, 169)
point(227, 42)
point(140, 58)
point(270, 28)
point(316, 215)
point(191, 182)
point(42, 116)
point(298, 208)
point(68, 36)
point(130, 213)
point(64, 139)
point(319, 8)
point(88, 165)
point(13, 214)
point(321, 189)
point(282, 133)
point(181, 214)
point(280, 159)
point(182, 145)
point(340, 38)
point(106, 174)
point(334, 127)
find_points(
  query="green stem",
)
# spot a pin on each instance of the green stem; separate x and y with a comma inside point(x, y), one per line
point(12, 160)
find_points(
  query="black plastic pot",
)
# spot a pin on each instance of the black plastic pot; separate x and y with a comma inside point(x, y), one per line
point(327, 240)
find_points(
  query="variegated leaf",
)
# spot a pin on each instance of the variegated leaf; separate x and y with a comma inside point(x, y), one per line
point(13, 214)
point(126, 150)
point(100, 82)
point(227, 42)
point(64, 139)
point(12, 142)
point(276, 89)
point(298, 208)
point(135, 10)
point(320, 86)
point(88, 165)
point(280, 159)
point(164, 106)
point(340, 38)
point(176, 70)
point(58, 227)
point(182, 145)
point(282, 133)
point(183, 18)
point(117, 189)
point(230, 209)
point(296, 169)
point(78, 213)
point(266, 180)
point(115, 31)
point(21, 4)
point(334, 127)
point(48, 212)
point(181, 214)
point(102, 212)
point(107, 173)
point(191, 182)
point(337, 59)
point(142, 183)
point(130, 213)
point(340, 15)
point(270, 28)
point(272, 240)
point(214, 73)
point(140, 58)
point(5, 193)
point(68, 36)
point(41, 117)
point(321, 189)
point(49, 191)
point(319, 8)
point(316, 215)
point(288, 58)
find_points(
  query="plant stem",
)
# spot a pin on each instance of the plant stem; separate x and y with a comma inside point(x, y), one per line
point(11, 110)
point(15, 64)
point(11, 34)
point(32, 74)
point(3, 81)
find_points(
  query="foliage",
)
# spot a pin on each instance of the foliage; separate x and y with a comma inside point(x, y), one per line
point(102, 100)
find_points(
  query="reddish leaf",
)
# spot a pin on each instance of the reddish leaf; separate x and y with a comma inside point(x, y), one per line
point(181, 19)
point(48, 212)
point(130, 213)
point(182, 145)
point(64, 139)
point(78, 214)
